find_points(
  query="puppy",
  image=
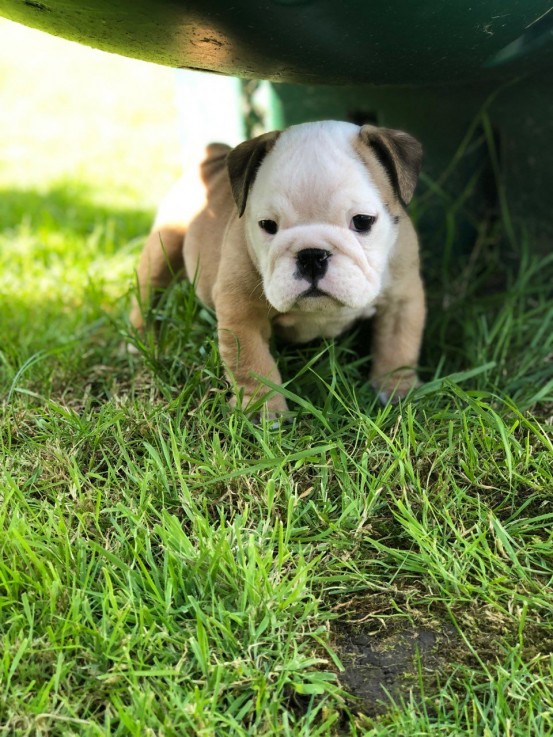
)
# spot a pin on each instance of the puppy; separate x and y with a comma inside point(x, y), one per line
point(300, 233)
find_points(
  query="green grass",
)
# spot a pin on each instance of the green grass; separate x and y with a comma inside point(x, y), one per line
point(169, 568)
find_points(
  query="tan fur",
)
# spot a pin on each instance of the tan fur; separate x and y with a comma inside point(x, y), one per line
point(401, 311)
point(218, 258)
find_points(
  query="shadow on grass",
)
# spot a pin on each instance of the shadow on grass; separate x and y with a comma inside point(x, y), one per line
point(61, 251)
point(66, 264)
point(72, 209)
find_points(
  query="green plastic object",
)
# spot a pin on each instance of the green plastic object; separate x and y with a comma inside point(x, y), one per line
point(414, 42)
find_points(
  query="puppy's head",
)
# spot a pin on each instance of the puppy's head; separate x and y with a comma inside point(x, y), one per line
point(322, 203)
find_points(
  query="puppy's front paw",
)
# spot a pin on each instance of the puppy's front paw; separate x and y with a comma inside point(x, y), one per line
point(395, 386)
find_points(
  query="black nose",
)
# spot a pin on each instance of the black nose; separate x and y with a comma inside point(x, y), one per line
point(312, 263)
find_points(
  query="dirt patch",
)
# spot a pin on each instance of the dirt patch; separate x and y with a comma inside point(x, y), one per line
point(390, 665)
point(389, 659)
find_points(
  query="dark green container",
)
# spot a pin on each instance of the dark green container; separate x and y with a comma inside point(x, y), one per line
point(398, 42)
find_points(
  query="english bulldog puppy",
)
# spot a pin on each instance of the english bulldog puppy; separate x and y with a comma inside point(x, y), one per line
point(299, 233)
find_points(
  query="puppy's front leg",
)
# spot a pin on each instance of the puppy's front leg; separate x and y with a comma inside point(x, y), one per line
point(244, 331)
point(397, 335)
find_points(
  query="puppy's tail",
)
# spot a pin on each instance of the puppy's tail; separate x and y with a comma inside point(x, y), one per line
point(215, 161)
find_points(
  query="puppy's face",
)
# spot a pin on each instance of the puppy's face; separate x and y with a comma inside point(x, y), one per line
point(319, 218)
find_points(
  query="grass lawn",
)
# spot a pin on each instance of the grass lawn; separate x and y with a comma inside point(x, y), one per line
point(169, 568)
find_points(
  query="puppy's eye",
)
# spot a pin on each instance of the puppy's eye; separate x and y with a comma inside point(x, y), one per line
point(269, 226)
point(362, 223)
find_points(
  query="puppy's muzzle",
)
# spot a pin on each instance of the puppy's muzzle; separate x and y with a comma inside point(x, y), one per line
point(312, 264)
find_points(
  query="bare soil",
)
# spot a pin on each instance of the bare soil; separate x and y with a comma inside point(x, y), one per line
point(390, 665)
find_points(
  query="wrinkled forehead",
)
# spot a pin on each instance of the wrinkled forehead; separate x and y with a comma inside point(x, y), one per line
point(314, 175)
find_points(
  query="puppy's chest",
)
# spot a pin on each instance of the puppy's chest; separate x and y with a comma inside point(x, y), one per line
point(301, 327)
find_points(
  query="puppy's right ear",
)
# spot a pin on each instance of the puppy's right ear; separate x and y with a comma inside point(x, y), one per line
point(243, 163)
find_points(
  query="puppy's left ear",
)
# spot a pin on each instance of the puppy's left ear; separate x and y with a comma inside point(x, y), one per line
point(243, 163)
point(399, 153)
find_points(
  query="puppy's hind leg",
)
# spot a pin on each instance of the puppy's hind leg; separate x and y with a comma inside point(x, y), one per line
point(160, 263)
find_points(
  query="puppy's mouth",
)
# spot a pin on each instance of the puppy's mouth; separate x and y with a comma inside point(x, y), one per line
point(314, 299)
point(313, 291)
